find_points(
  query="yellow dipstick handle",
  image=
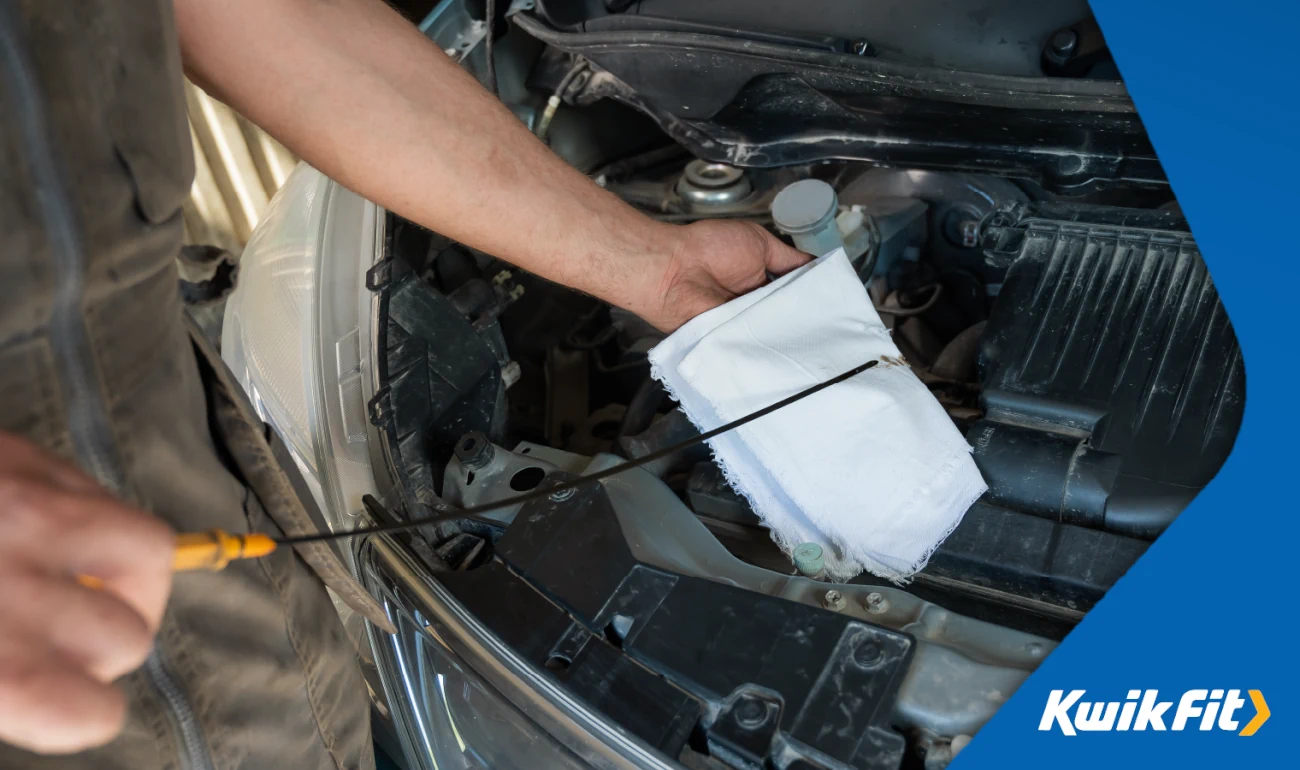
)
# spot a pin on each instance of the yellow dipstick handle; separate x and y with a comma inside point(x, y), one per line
point(211, 550)
point(214, 549)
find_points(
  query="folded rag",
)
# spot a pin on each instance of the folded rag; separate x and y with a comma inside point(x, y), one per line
point(872, 469)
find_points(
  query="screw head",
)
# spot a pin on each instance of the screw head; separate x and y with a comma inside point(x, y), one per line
point(833, 600)
point(875, 603)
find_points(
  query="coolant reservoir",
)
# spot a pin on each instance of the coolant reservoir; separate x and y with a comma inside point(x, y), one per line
point(805, 211)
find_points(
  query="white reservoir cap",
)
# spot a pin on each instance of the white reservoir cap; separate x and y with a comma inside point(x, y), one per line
point(804, 206)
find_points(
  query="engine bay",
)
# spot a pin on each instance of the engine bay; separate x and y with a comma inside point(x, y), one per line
point(1081, 349)
point(1035, 272)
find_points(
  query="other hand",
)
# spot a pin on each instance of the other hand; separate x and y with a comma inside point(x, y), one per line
point(62, 644)
point(712, 262)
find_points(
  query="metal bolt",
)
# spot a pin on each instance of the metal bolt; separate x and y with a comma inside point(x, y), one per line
point(1064, 42)
point(970, 233)
point(474, 451)
point(868, 654)
point(833, 600)
point(751, 713)
point(563, 494)
point(875, 603)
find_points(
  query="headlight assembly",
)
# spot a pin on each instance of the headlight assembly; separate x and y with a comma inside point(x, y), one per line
point(298, 336)
point(294, 333)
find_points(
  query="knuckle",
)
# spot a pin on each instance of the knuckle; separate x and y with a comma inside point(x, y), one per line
point(13, 489)
point(113, 623)
point(147, 534)
point(108, 636)
point(23, 505)
point(22, 678)
point(93, 716)
point(105, 721)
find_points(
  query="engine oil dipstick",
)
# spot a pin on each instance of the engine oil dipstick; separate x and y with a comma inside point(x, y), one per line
point(215, 549)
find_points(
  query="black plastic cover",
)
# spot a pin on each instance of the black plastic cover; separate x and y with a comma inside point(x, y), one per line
point(1002, 36)
point(1113, 382)
point(1113, 387)
point(441, 377)
point(750, 101)
point(751, 680)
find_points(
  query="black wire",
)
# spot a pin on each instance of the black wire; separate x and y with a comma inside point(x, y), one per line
point(540, 492)
point(569, 77)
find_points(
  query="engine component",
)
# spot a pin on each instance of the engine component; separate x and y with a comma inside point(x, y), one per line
point(949, 204)
point(855, 228)
point(805, 211)
point(1113, 391)
point(964, 668)
point(442, 372)
point(1113, 382)
point(809, 559)
point(919, 31)
point(737, 98)
point(706, 185)
point(900, 224)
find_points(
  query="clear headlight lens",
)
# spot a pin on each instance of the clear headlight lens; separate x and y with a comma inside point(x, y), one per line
point(293, 333)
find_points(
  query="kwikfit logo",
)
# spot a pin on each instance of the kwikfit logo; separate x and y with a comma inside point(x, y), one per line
point(1143, 710)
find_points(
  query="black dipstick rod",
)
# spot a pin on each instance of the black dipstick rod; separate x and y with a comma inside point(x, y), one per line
point(564, 486)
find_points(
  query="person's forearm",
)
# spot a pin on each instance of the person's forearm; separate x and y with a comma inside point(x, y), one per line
point(360, 94)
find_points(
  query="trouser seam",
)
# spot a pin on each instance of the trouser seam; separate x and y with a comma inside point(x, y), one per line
point(328, 739)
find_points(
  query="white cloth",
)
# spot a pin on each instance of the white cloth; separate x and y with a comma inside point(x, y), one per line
point(871, 469)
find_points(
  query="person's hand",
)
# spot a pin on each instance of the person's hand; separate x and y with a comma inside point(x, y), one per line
point(62, 644)
point(715, 261)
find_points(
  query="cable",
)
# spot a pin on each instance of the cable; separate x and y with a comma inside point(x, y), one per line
point(904, 312)
point(491, 14)
point(618, 169)
point(557, 96)
point(536, 494)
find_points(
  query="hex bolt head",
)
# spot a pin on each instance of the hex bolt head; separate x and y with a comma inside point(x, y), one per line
point(875, 603)
point(751, 713)
point(833, 600)
point(474, 451)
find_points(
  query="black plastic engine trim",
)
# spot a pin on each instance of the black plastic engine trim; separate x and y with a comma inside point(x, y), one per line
point(753, 680)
